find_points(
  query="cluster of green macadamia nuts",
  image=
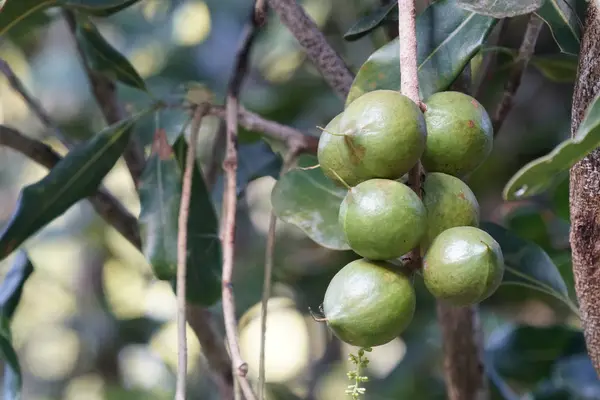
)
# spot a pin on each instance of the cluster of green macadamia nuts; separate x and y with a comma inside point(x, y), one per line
point(369, 148)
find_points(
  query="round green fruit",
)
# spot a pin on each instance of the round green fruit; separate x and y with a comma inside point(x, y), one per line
point(382, 219)
point(369, 303)
point(449, 202)
point(463, 266)
point(459, 134)
point(381, 134)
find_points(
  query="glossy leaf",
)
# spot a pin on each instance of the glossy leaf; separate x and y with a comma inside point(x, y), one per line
point(448, 38)
point(104, 58)
point(500, 9)
point(311, 201)
point(527, 354)
point(15, 11)
point(561, 68)
point(10, 295)
point(204, 258)
point(75, 177)
point(561, 17)
point(528, 265)
point(371, 21)
point(160, 197)
point(540, 174)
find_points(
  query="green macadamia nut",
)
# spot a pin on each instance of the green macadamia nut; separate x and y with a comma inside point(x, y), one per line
point(381, 134)
point(449, 202)
point(459, 134)
point(382, 219)
point(369, 303)
point(463, 266)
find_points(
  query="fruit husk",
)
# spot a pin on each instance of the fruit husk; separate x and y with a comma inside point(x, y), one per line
point(459, 134)
point(449, 202)
point(381, 134)
point(382, 219)
point(369, 303)
point(463, 266)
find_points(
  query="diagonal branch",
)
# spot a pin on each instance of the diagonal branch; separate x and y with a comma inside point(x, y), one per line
point(240, 367)
point(518, 70)
point(330, 64)
point(105, 92)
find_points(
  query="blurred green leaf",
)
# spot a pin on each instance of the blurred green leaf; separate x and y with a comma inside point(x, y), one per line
point(15, 11)
point(528, 265)
point(311, 201)
point(204, 260)
point(75, 177)
point(529, 224)
point(10, 295)
point(500, 9)
point(448, 38)
point(104, 58)
point(160, 197)
point(561, 17)
point(370, 22)
point(527, 354)
point(561, 68)
point(560, 199)
point(578, 376)
point(540, 174)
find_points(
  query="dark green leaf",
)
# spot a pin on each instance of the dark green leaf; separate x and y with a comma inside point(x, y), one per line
point(561, 18)
point(75, 177)
point(10, 295)
point(529, 223)
point(528, 265)
point(540, 174)
point(204, 259)
point(15, 11)
point(371, 21)
point(104, 58)
point(560, 68)
point(500, 9)
point(527, 354)
point(448, 38)
point(311, 201)
point(560, 199)
point(160, 197)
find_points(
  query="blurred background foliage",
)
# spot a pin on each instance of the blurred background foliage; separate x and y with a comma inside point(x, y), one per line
point(93, 324)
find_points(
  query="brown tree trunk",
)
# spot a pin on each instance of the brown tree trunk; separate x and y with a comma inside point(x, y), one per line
point(585, 191)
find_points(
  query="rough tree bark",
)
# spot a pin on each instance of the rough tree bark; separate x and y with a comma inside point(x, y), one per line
point(585, 191)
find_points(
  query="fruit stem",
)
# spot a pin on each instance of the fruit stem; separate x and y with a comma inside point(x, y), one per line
point(331, 133)
point(340, 179)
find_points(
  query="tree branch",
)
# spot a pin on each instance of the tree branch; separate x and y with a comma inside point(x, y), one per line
point(584, 189)
point(330, 64)
point(105, 92)
point(230, 203)
point(518, 70)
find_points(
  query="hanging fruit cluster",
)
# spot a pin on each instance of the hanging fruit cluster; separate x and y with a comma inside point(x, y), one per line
point(369, 148)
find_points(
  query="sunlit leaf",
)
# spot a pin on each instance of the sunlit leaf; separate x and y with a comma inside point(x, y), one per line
point(371, 21)
point(104, 58)
point(561, 68)
point(448, 38)
point(75, 177)
point(540, 174)
point(561, 17)
point(311, 201)
point(15, 11)
point(527, 354)
point(204, 258)
point(160, 196)
point(500, 9)
point(528, 265)
point(10, 295)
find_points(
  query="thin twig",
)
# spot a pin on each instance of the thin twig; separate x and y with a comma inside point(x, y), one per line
point(105, 93)
point(409, 86)
point(105, 204)
point(186, 191)
point(518, 70)
point(289, 161)
point(481, 80)
point(330, 64)
point(240, 367)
